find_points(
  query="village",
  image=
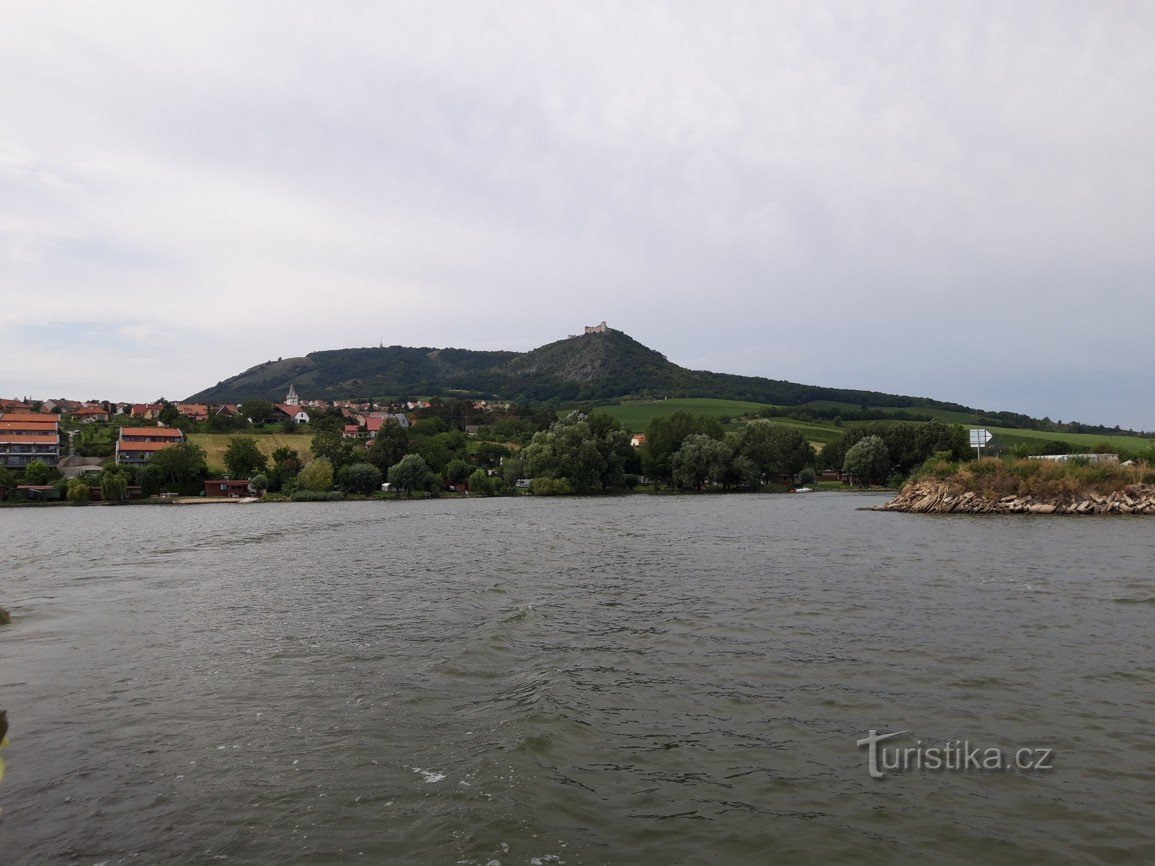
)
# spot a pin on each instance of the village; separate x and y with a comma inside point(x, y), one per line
point(44, 443)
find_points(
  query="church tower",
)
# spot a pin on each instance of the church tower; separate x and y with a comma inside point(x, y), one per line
point(291, 399)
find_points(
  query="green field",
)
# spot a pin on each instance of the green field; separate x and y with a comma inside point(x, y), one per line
point(636, 416)
point(1085, 441)
point(215, 444)
point(946, 415)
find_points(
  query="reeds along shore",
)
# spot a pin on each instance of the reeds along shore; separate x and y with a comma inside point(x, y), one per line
point(995, 486)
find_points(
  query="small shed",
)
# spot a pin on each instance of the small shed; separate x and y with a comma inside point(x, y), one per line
point(225, 487)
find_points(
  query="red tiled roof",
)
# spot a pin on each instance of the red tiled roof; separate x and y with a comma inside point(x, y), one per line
point(40, 417)
point(28, 427)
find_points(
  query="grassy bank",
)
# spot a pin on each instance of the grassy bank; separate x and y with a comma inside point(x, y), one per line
point(994, 478)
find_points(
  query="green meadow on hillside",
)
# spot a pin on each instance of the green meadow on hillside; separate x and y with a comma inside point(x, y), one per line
point(635, 416)
point(215, 444)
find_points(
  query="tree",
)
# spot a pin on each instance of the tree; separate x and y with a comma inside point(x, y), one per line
point(389, 445)
point(286, 465)
point(113, 486)
point(589, 453)
point(179, 466)
point(259, 484)
point(316, 475)
point(512, 470)
point(479, 483)
point(867, 460)
point(77, 490)
point(38, 472)
point(456, 471)
point(243, 458)
point(408, 474)
point(168, 413)
point(332, 446)
point(257, 411)
point(359, 478)
point(664, 436)
point(700, 459)
point(774, 449)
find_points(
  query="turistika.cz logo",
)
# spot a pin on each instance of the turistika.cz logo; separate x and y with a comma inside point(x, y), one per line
point(952, 756)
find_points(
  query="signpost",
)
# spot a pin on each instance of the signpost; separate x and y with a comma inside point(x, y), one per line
point(979, 438)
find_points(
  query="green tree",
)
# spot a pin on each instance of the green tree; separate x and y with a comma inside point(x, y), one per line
point(456, 471)
point(664, 436)
point(77, 490)
point(775, 449)
point(168, 413)
point(867, 461)
point(258, 411)
point(316, 475)
point(332, 446)
point(512, 469)
point(479, 483)
point(286, 465)
point(259, 483)
point(359, 478)
point(113, 486)
point(389, 445)
point(700, 459)
point(243, 458)
point(408, 474)
point(179, 467)
point(38, 472)
point(567, 450)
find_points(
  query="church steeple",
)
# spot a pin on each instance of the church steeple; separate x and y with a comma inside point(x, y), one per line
point(292, 399)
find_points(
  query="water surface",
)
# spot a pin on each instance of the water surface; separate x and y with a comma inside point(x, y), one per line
point(644, 680)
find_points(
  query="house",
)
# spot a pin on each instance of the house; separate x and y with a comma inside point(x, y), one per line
point(227, 488)
point(29, 436)
point(146, 411)
point(289, 412)
point(195, 411)
point(62, 406)
point(136, 445)
point(353, 431)
point(39, 492)
point(638, 440)
point(227, 410)
point(90, 414)
point(14, 406)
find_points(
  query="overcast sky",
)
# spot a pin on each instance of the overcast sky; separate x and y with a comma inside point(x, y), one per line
point(950, 199)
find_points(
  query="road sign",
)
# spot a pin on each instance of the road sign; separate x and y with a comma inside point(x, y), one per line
point(980, 437)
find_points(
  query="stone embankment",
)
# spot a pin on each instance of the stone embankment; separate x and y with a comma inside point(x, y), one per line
point(934, 497)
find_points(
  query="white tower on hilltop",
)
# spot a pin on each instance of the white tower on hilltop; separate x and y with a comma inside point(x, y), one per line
point(291, 399)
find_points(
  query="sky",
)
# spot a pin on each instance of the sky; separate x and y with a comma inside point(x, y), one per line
point(944, 199)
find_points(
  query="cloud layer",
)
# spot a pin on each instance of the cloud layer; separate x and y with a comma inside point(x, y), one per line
point(944, 199)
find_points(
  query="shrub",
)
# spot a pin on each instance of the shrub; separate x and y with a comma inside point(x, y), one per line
point(77, 490)
point(479, 483)
point(317, 496)
point(359, 478)
point(316, 475)
point(550, 487)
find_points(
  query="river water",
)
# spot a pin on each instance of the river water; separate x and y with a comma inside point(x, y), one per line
point(641, 680)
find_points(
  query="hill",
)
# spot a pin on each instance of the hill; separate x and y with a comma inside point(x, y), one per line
point(595, 366)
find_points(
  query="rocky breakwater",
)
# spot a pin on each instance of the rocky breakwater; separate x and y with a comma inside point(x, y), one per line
point(937, 497)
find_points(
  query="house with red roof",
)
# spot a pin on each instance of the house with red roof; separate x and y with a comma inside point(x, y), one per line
point(90, 414)
point(136, 445)
point(29, 436)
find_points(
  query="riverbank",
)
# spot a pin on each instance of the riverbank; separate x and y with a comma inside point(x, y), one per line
point(994, 486)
